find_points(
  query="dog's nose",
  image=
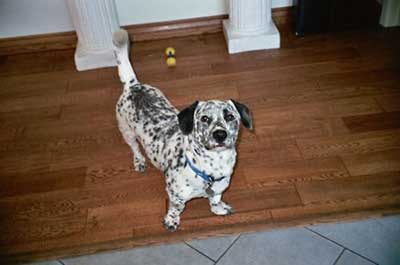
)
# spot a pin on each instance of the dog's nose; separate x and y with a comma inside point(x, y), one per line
point(220, 136)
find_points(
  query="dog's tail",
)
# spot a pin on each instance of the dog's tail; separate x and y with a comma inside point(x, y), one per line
point(121, 49)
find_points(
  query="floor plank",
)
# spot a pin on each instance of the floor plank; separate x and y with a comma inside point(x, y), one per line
point(343, 189)
point(389, 102)
point(373, 122)
point(293, 171)
point(371, 163)
point(41, 181)
point(357, 144)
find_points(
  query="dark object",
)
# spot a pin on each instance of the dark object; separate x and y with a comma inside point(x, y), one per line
point(185, 118)
point(220, 136)
point(316, 16)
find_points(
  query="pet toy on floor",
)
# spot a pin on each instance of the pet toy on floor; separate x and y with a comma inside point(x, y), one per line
point(171, 59)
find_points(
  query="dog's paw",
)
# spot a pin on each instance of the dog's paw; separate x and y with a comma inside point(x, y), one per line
point(221, 208)
point(171, 224)
point(139, 165)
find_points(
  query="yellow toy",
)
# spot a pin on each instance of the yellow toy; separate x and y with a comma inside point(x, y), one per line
point(171, 60)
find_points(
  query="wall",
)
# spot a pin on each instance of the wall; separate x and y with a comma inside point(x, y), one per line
point(30, 17)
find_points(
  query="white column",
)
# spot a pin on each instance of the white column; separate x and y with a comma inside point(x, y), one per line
point(250, 26)
point(94, 22)
point(390, 14)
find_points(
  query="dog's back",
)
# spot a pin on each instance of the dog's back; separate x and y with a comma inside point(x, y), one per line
point(144, 113)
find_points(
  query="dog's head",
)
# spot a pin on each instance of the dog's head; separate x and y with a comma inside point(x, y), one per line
point(215, 124)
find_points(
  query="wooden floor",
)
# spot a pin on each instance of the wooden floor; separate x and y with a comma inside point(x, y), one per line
point(326, 145)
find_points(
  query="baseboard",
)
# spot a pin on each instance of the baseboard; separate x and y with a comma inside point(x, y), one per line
point(177, 28)
point(38, 43)
point(142, 32)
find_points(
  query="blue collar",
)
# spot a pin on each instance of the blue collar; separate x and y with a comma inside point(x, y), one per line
point(202, 174)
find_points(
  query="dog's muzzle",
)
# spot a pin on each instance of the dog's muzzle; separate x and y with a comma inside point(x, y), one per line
point(220, 136)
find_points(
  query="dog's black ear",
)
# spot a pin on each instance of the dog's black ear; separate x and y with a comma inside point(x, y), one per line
point(245, 114)
point(185, 118)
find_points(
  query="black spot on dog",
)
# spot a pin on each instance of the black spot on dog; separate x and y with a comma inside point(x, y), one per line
point(171, 131)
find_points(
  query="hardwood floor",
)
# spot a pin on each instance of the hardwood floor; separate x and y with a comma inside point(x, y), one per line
point(326, 146)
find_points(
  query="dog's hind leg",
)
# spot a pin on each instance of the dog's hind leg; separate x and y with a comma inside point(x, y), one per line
point(139, 161)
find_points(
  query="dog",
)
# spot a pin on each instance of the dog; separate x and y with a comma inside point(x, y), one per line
point(195, 148)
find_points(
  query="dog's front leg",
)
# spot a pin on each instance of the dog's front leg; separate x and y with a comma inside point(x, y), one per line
point(172, 219)
point(219, 207)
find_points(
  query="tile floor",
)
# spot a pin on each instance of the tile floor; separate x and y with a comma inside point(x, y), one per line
point(372, 241)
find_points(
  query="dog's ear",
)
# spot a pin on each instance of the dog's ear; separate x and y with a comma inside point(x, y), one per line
point(245, 114)
point(185, 118)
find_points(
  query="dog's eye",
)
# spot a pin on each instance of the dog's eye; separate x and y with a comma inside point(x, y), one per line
point(229, 117)
point(204, 118)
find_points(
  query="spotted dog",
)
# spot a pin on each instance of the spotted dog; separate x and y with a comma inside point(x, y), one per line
point(195, 148)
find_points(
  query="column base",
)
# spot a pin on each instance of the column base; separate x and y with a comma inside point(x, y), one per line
point(85, 60)
point(390, 14)
point(269, 39)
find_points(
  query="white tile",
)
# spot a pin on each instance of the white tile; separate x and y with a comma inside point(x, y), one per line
point(368, 238)
point(177, 254)
point(391, 223)
point(213, 247)
point(281, 247)
point(349, 258)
